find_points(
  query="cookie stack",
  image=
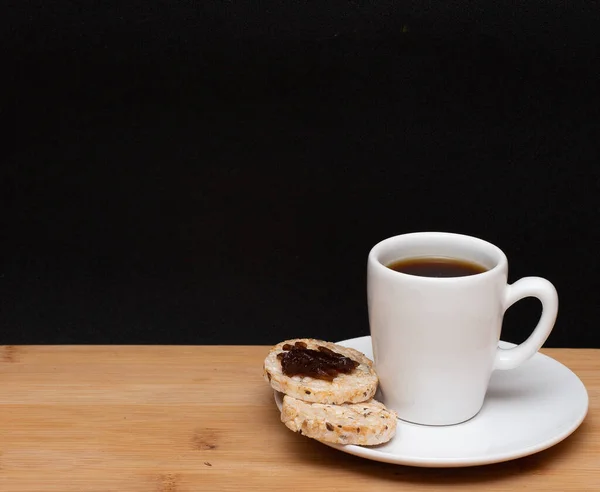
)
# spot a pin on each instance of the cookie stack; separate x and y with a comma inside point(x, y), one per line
point(328, 392)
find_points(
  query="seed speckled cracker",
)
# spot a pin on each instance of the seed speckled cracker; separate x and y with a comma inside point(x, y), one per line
point(365, 424)
point(359, 385)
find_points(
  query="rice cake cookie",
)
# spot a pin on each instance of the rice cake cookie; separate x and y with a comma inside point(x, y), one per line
point(364, 424)
point(356, 386)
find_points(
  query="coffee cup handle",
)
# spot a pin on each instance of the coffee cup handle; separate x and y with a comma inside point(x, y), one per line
point(529, 287)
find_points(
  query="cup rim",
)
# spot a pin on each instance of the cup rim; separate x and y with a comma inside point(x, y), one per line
point(501, 263)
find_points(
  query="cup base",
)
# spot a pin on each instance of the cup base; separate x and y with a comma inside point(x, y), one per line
point(439, 425)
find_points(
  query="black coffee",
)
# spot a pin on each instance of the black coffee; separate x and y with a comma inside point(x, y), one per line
point(437, 266)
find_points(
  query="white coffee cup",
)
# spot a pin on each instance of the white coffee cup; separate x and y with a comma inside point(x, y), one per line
point(435, 340)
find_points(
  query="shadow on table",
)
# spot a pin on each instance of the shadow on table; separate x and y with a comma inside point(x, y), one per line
point(330, 458)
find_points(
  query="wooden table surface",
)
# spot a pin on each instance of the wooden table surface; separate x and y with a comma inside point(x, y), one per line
point(180, 419)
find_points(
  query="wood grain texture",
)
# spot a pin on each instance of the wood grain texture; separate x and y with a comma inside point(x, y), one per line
point(182, 419)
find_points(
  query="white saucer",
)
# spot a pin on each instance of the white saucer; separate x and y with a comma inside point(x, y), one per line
point(526, 410)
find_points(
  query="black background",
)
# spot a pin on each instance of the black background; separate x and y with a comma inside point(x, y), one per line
point(216, 172)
